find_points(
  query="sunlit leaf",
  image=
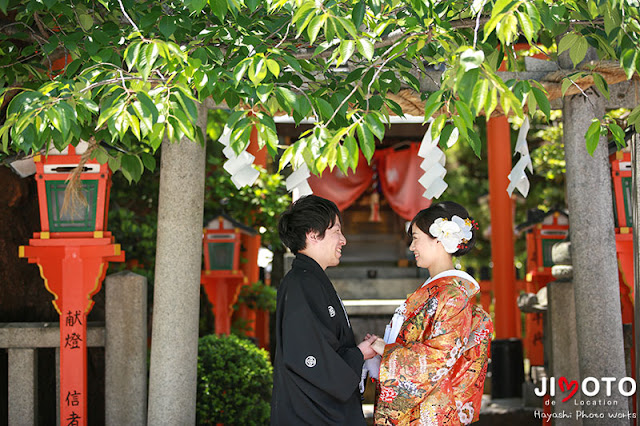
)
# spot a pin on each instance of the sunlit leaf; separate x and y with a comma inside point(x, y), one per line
point(592, 136)
point(367, 143)
point(365, 48)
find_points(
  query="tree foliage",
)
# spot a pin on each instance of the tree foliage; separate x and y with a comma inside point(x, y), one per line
point(137, 69)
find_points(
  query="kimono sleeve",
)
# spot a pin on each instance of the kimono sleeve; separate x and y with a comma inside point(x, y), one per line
point(312, 352)
point(412, 370)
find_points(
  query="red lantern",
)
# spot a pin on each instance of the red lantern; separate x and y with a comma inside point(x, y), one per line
point(87, 219)
point(544, 230)
point(73, 251)
point(222, 276)
point(621, 179)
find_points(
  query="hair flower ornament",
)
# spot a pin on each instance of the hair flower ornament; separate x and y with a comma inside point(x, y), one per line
point(452, 233)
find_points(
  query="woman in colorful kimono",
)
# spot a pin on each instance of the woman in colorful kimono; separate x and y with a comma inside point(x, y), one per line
point(434, 362)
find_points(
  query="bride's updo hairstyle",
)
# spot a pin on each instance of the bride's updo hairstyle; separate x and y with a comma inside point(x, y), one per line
point(445, 209)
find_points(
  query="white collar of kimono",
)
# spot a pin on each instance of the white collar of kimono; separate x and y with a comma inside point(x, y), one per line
point(393, 329)
point(455, 273)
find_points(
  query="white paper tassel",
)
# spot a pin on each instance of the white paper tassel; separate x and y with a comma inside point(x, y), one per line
point(237, 163)
point(436, 189)
point(297, 182)
point(518, 177)
point(225, 137)
point(434, 173)
point(302, 190)
point(427, 143)
point(239, 166)
point(436, 157)
point(229, 152)
point(297, 177)
point(245, 176)
point(433, 164)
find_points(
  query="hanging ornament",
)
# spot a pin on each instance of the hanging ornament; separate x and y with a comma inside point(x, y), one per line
point(297, 182)
point(239, 166)
point(518, 177)
point(433, 164)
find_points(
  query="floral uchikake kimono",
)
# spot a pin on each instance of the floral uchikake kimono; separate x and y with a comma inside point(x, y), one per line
point(433, 374)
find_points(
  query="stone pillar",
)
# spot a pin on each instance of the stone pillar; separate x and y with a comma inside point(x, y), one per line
point(562, 340)
point(23, 386)
point(635, 199)
point(176, 303)
point(126, 349)
point(595, 268)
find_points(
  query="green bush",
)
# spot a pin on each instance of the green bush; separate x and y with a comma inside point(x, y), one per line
point(257, 296)
point(235, 379)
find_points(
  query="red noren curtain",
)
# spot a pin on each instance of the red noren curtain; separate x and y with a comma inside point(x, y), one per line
point(399, 171)
point(343, 190)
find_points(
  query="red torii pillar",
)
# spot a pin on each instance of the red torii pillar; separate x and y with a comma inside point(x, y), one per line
point(502, 252)
point(261, 323)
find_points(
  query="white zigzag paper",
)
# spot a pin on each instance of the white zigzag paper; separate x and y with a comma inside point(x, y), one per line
point(236, 163)
point(518, 177)
point(297, 182)
point(433, 164)
point(245, 176)
point(239, 166)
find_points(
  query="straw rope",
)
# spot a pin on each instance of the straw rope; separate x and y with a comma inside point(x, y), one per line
point(611, 72)
point(74, 198)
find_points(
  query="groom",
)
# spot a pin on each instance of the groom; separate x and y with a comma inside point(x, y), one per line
point(317, 364)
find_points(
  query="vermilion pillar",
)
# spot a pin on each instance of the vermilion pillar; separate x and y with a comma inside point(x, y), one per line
point(502, 252)
point(73, 270)
point(222, 290)
point(261, 323)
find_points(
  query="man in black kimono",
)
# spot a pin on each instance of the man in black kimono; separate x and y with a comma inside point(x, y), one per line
point(317, 364)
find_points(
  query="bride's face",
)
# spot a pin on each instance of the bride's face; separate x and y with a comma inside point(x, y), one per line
point(425, 248)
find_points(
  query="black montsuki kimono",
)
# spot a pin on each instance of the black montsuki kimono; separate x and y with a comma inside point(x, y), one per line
point(317, 364)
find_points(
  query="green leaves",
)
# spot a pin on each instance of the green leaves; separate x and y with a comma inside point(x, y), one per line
point(592, 136)
point(218, 7)
point(314, 27)
point(357, 15)
point(365, 48)
point(470, 59)
point(347, 47)
point(337, 63)
point(367, 144)
point(634, 118)
point(132, 167)
point(628, 61)
point(577, 46)
point(542, 101)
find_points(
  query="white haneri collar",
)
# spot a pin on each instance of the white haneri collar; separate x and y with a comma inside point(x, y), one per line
point(454, 273)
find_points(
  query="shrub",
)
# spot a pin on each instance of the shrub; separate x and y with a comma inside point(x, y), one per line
point(257, 296)
point(235, 379)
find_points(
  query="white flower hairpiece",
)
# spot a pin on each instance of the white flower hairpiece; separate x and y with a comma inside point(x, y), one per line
point(452, 233)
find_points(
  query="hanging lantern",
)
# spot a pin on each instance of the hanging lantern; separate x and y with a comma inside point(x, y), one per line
point(621, 177)
point(89, 213)
point(222, 275)
point(222, 245)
